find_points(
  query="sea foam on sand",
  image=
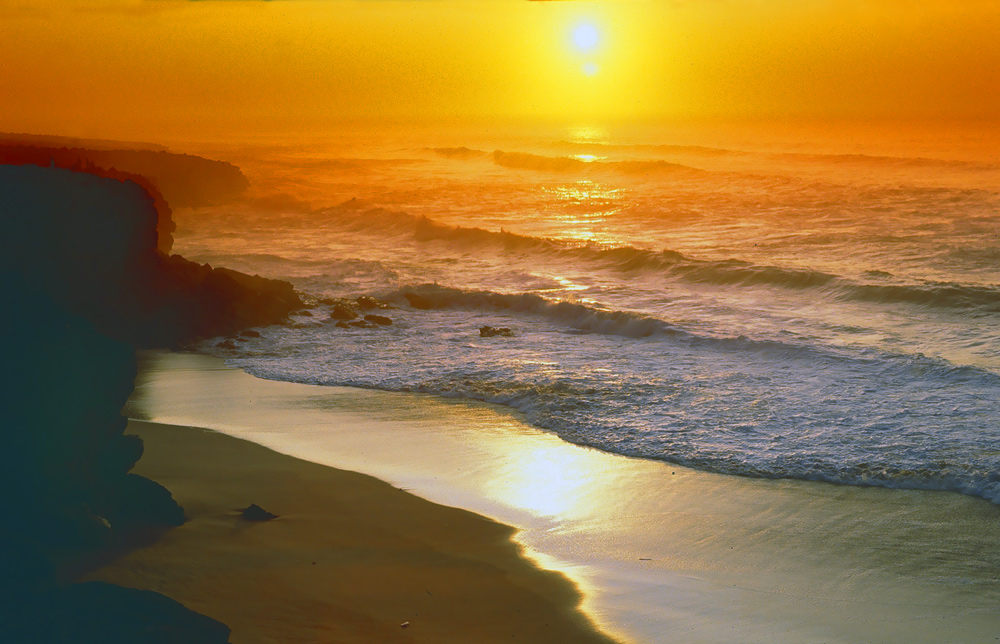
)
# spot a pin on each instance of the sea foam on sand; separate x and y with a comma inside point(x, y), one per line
point(662, 553)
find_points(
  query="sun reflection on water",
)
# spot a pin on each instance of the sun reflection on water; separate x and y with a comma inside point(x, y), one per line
point(568, 284)
point(588, 134)
point(553, 482)
point(584, 207)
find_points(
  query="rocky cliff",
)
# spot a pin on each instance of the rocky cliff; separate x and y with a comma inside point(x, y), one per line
point(90, 242)
point(84, 282)
point(168, 178)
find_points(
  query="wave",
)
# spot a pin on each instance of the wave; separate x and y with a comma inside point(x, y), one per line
point(458, 153)
point(972, 298)
point(950, 295)
point(667, 148)
point(593, 318)
point(360, 216)
point(803, 157)
point(860, 442)
point(575, 315)
point(732, 272)
point(886, 161)
point(630, 259)
point(568, 409)
point(987, 257)
point(551, 406)
point(525, 160)
point(540, 163)
point(359, 165)
point(222, 257)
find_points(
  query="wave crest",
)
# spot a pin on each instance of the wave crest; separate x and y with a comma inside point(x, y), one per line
point(575, 315)
point(978, 299)
point(540, 163)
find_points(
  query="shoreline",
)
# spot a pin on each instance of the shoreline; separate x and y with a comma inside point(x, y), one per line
point(660, 552)
point(350, 558)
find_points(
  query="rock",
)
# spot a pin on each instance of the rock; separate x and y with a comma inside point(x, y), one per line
point(135, 500)
point(250, 333)
point(379, 319)
point(96, 612)
point(50, 158)
point(188, 301)
point(342, 312)
point(494, 332)
point(366, 303)
point(120, 455)
point(418, 301)
point(343, 325)
point(26, 568)
point(305, 312)
point(254, 512)
point(64, 467)
point(84, 283)
point(184, 179)
point(90, 242)
point(361, 324)
point(226, 344)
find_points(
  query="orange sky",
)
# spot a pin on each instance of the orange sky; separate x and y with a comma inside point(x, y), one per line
point(139, 67)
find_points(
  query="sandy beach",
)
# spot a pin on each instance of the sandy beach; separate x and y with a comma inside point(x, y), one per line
point(350, 559)
point(559, 322)
point(661, 553)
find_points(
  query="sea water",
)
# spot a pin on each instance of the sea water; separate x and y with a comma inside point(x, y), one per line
point(807, 306)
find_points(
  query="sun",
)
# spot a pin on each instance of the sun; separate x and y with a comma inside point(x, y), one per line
point(586, 37)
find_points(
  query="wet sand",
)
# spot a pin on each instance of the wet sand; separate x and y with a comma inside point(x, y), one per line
point(662, 553)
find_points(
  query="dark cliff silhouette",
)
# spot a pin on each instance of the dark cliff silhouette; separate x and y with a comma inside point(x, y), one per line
point(90, 242)
point(84, 283)
point(178, 179)
point(183, 179)
point(68, 491)
point(56, 141)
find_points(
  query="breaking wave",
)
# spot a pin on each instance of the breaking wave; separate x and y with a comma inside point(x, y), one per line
point(725, 404)
point(978, 299)
point(882, 161)
point(537, 162)
point(583, 317)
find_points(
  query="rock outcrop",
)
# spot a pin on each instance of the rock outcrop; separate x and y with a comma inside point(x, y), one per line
point(65, 461)
point(182, 179)
point(100, 613)
point(380, 320)
point(79, 161)
point(168, 178)
point(84, 282)
point(495, 332)
point(90, 242)
point(254, 512)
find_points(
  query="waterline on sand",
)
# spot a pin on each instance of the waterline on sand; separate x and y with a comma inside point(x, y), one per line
point(662, 553)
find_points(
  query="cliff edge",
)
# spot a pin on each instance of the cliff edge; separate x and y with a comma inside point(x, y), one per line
point(85, 281)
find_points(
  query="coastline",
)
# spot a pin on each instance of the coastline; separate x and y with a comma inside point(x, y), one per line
point(660, 552)
point(349, 559)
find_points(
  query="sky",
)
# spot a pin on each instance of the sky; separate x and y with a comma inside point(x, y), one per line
point(131, 67)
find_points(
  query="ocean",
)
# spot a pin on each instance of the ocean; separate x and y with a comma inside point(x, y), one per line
point(807, 304)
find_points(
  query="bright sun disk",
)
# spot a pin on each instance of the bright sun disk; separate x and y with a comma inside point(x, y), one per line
point(586, 37)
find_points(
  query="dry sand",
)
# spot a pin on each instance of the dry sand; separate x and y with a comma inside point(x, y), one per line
point(350, 559)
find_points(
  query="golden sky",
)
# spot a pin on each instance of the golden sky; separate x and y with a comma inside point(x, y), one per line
point(117, 67)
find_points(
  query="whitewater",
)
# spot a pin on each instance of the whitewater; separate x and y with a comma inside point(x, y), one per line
point(807, 309)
